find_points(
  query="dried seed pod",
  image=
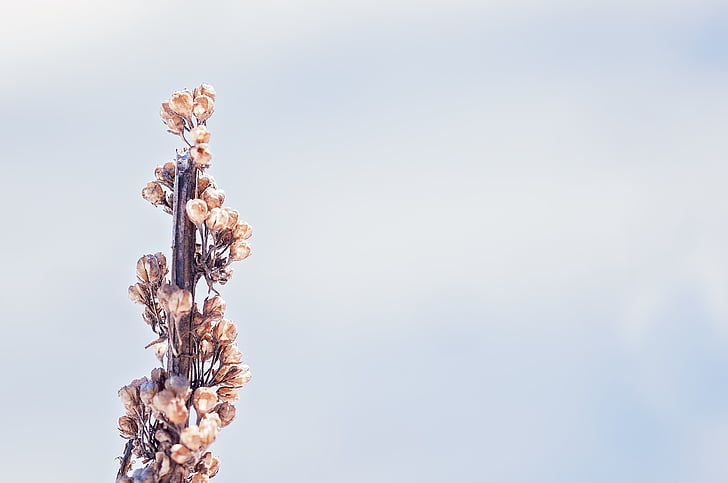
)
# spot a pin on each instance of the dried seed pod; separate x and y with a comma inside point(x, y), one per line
point(204, 181)
point(149, 269)
point(207, 348)
point(136, 294)
point(154, 193)
point(196, 211)
point(176, 301)
point(129, 396)
point(204, 328)
point(129, 427)
point(181, 103)
point(190, 437)
point(175, 124)
point(205, 90)
point(163, 436)
point(160, 349)
point(147, 391)
point(209, 428)
point(200, 478)
point(201, 155)
point(161, 460)
point(213, 467)
point(217, 220)
point(228, 394)
point(231, 355)
point(181, 454)
point(213, 197)
point(161, 400)
point(204, 399)
point(227, 413)
point(178, 385)
point(225, 331)
point(200, 135)
point(234, 215)
point(214, 308)
point(239, 250)
point(165, 174)
point(243, 231)
point(203, 108)
point(177, 412)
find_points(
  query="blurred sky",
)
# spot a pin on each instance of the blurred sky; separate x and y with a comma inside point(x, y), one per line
point(490, 237)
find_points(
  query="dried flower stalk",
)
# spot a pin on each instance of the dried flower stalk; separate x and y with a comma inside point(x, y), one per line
point(203, 364)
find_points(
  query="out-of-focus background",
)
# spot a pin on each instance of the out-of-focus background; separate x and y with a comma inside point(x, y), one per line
point(491, 238)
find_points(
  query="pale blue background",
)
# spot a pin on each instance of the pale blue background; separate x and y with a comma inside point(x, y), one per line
point(491, 238)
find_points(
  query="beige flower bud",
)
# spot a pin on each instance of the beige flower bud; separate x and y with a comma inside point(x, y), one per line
point(201, 155)
point(207, 348)
point(234, 215)
point(175, 301)
point(129, 396)
point(243, 231)
point(231, 355)
point(205, 90)
point(162, 462)
point(204, 399)
point(204, 328)
point(200, 135)
point(136, 294)
point(129, 427)
point(177, 412)
point(148, 269)
point(213, 197)
point(181, 103)
point(196, 211)
point(227, 413)
point(228, 394)
point(203, 108)
point(204, 181)
point(225, 331)
point(214, 308)
point(239, 250)
point(239, 380)
point(209, 428)
point(217, 220)
point(153, 193)
point(190, 437)
point(200, 478)
point(180, 454)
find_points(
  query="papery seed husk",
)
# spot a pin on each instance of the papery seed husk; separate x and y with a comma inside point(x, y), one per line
point(231, 355)
point(201, 155)
point(204, 328)
point(158, 375)
point(181, 103)
point(175, 124)
point(153, 193)
point(209, 428)
point(204, 399)
point(207, 348)
point(213, 467)
point(165, 173)
point(214, 308)
point(225, 331)
point(205, 181)
point(200, 478)
point(239, 250)
point(178, 385)
point(180, 454)
point(128, 427)
point(176, 301)
point(200, 135)
point(196, 211)
point(203, 108)
point(205, 90)
point(190, 437)
point(176, 411)
point(213, 197)
point(243, 231)
point(227, 413)
point(162, 462)
point(129, 398)
point(136, 294)
point(228, 394)
point(234, 215)
point(217, 220)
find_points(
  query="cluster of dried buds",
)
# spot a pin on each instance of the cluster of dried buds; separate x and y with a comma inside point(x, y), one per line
point(159, 409)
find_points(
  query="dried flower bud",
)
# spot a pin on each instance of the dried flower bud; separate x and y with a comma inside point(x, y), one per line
point(207, 348)
point(203, 108)
point(213, 467)
point(239, 250)
point(129, 396)
point(176, 301)
point(204, 399)
point(154, 193)
point(201, 155)
point(227, 394)
point(200, 478)
point(161, 400)
point(165, 173)
point(149, 269)
point(147, 391)
point(214, 308)
point(136, 294)
point(209, 428)
point(231, 355)
point(234, 215)
point(243, 231)
point(161, 460)
point(217, 220)
point(176, 411)
point(227, 412)
point(129, 427)
point(190, 437)
point(175, 125)
point(225, 331)
point(205, 90)
point(181, 103)
point(200, 135)
point(180, 454)
point(204, 181)
point(196, 211)
point(204, 328)
point(178, 385)
point(213, 197)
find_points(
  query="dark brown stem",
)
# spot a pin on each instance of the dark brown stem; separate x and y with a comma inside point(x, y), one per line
point(183, 271)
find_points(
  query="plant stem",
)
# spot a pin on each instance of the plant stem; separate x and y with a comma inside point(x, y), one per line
point(183, 255)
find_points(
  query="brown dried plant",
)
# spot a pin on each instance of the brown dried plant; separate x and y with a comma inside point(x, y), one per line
point(203, 370)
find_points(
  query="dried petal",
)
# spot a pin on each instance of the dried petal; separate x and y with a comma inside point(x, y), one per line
point(162, 462)
point(205, 90)
point(154, 193)
point(207, 348)
point(176, 301)
point(213, 197)
point(231, 355)
point(200, 478)
point(175, 124)
point(234, 215)
point(177, 412)
point(201, 155)
point(228, 394)
point(190, 437)
point(129, 396)
point(196, 211)
point(180, 454)
point(240, 250)
point(129, 427)
point(181, 103)
point(200, 135)
point(161, 400)
point(204, 399)
point(148, 269)
point(147, 391)
point(213, 467)
point(227, 412)
point(136, 294)
point(165, 174)
point(163, 436)
point(203, 108)
point(217, 220)
point(214, 308)
point(209, 428)
point(243, 231)
point(225, 331)
point(204, 181)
